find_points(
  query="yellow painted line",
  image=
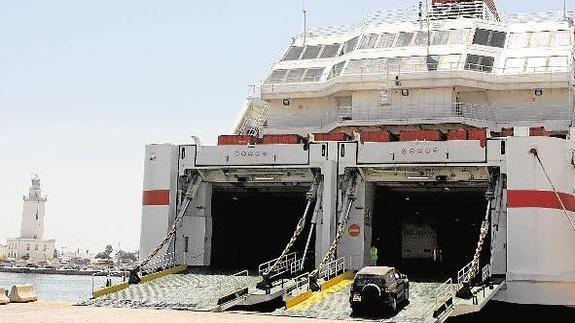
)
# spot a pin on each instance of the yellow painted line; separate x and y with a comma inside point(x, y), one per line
point(121, 286)
point(336, 280)
point(298, 299)
point(317, 297)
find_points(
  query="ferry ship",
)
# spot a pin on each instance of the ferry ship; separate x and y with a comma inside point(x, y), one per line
point(441, 135)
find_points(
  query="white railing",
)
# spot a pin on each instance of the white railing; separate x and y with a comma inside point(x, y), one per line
point(441, 296)
point(333, 268)
point(107, 278)
point(466, 273)
point(290, 263)
point(494, 116)
point(547, 16)
point(485, 273)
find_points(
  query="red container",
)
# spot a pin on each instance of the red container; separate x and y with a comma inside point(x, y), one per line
point(375, 136)
point(538, 132)
point(331, 136)
point(457, 134)
point(477, 134)
point(420, 135)
point(237, 140)
point(282, 139)
point(508, 132)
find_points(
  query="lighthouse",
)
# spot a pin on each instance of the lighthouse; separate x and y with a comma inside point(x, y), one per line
point(31, 245)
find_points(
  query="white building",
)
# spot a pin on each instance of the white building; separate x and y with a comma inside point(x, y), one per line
point(3, 251)
point(31, 244)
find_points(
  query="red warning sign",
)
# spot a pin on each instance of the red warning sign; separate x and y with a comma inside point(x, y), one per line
point(354, 230)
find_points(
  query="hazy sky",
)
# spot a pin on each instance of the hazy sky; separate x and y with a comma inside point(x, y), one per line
point(84, 85)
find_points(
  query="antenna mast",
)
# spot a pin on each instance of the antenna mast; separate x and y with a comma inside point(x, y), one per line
point(304, 23)
point(564, 9)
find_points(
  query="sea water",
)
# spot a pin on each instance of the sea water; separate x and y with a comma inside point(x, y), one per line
point(67, 288)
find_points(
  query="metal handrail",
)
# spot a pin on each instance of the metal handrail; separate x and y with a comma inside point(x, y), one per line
point(442, 294)
point(458, 111)
point(467, 271)
point(333, 268)
point(289, 262)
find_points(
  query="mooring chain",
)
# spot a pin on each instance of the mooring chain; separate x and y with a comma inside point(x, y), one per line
point(482, 235)
point(341, 228)
point(311, 196)
point(188, 197)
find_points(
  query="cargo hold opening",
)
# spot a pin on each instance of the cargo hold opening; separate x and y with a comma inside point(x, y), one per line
point(252, 225)
point(428, 231)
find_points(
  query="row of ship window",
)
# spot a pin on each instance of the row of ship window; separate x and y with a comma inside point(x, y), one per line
point(472, 62)
point(11, 247)
point(482, 37)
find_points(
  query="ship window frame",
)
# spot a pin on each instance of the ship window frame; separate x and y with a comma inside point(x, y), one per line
point(349, 46)
point(336, 70)
point(489, 37)
point(308, 48)
point(289, 57)
point(443, 40)
point(388, 38)
point(276, 80)
point(317, 76)
point(296, 71)
point(330, 50)
point(479, 65)
point(369, 41)
point(404, 41)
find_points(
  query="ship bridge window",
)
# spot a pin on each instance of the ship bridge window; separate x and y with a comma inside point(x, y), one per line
point(459, 36)
point(330, 51)
point(449, 62)
point(561, 38)
point(542, 39)
point(293, 53)
point(295, 75)
point(420, 39)
point(558, 64)
point(489, 38)
point(311, 52)
point(514, 65)
point(277, 76)
point(440, 37)
point(479, 63)
point(404, 39)
point(365, 66)
point(386, 40)
point(313, 74)
point(349, 46)
point(368, 41)
point(537, 64)
point(519, 40)
point(336, 70)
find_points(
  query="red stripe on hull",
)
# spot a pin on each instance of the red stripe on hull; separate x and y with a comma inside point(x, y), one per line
point(540, 199)
point(160, 197)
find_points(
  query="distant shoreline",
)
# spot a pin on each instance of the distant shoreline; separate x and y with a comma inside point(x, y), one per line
point(53, 271)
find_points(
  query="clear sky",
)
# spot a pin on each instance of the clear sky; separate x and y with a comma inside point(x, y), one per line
point(84, 85)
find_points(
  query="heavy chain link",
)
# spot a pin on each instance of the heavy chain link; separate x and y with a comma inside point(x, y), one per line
point(350, 195)
point(311, 196)
point(188, 197)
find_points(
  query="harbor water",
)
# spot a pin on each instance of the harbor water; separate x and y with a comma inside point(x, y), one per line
point(66, 288)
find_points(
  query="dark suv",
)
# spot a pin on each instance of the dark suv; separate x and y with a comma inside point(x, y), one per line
point(375, 288)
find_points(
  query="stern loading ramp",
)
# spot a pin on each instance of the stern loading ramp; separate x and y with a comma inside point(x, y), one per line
point(230, 181)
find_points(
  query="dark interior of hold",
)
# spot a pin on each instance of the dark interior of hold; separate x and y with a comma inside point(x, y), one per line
point(253, 226)
point(457, 217)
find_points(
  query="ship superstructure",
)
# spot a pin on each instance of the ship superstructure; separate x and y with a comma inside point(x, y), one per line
point(443, 136)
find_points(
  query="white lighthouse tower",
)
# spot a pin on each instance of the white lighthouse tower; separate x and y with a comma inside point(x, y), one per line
point(31, 244)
